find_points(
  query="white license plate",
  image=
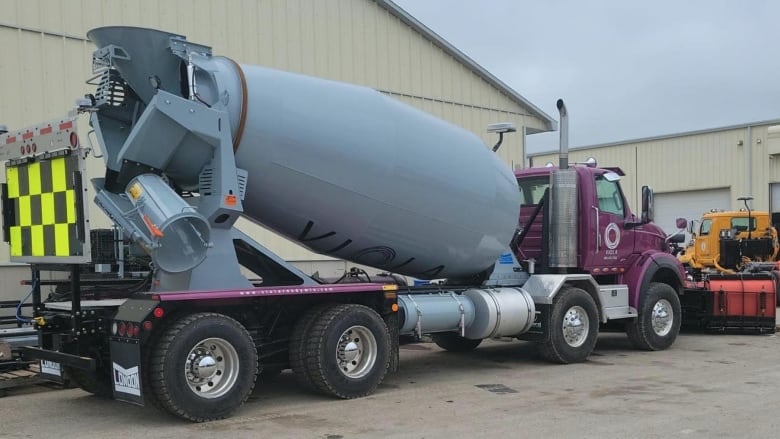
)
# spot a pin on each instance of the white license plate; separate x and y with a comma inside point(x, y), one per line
point(51, 368)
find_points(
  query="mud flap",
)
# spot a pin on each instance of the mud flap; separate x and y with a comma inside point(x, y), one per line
point(126, 371)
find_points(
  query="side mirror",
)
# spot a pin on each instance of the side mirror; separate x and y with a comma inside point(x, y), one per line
point(692, 227)
point(648, 211)
point(682, 223)
point(677, 238)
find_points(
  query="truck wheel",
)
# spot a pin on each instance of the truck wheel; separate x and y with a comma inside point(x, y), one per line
point(203, 367)
point(347, 351)
point(298, 345)
point(453, 342)
point(659, 319)
point(574, 327)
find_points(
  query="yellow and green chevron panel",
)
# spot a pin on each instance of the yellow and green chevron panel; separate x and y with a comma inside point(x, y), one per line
point(43, 197)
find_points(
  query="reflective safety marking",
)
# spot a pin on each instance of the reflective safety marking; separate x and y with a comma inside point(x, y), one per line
point(47, 208)
point(12, 178)
point(25, 212)
point(38, 247)
point(70, 204)
point(16, 241)
point(34, 178)
point(61, 240)
point(45, 212)
point(58, 176)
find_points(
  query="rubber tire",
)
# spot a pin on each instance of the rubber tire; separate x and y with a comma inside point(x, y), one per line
point(555, 348)
point(298, 346)
point(453, 342)
point(641, 332)
point(167, 363)
point(319, 361)
point(95, 384)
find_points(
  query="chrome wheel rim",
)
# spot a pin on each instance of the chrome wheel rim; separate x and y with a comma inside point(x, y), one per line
point(356, 352)
point(211, 368)
point(662, 317)
point(575, 326)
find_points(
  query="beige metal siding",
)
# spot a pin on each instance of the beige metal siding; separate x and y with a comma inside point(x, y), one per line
point(687, 162)
point(356, 41)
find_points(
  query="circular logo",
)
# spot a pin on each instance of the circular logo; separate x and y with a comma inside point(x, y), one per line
point(612, 236)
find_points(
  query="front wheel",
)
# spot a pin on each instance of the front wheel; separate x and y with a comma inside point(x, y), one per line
point(574, 327)
point(346, 351)
point(659, 319)
point(203, 367)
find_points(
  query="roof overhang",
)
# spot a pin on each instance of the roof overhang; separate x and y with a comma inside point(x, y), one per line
point(549, 123)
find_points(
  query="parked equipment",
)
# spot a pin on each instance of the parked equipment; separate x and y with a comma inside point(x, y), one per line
point(192, 141)
point(733, 279)
point(727, 240)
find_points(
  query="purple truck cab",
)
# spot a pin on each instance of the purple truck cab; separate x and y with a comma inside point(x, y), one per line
point(614, 245)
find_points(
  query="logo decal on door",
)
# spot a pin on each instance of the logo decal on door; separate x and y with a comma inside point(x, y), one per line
point(612, 236)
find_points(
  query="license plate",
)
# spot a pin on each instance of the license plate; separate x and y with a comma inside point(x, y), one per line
point(51, 369)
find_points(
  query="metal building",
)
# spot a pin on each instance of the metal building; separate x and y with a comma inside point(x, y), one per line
point(693, 172)
point(47, 58)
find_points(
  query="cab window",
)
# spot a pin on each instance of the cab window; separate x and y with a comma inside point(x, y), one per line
point(741, 224)
point(532, 189)
point(610, 198)
point(705, 227)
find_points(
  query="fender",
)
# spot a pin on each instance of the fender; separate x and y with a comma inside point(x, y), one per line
point(653, 265)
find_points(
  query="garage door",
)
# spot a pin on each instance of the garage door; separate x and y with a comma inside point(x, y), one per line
point(689, 205)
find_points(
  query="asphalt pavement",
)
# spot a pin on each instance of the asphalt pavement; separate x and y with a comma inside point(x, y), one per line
point(705, 386)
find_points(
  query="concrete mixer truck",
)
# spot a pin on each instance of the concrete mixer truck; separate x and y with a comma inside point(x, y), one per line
point(191, 142)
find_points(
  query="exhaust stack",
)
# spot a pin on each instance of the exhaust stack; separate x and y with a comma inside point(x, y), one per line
point(563, 204)
point(563, 160)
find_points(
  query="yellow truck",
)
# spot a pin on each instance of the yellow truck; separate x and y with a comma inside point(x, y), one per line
point(726, 240)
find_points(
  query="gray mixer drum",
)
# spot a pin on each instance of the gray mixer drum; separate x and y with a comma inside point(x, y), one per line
point(351, 173)
point(343, 169)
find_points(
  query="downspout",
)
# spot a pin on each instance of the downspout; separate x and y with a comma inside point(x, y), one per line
point(526, 163)
point(749, 162)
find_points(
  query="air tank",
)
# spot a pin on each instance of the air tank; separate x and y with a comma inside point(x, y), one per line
point(342, 169)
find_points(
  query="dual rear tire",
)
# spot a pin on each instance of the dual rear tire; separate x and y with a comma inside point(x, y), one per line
point(203, 367)
point(342, 350)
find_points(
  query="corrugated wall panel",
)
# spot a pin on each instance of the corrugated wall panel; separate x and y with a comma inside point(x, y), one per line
point(690, 162)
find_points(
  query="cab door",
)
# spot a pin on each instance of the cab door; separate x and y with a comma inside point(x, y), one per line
point(704, 244)
point(612, 245)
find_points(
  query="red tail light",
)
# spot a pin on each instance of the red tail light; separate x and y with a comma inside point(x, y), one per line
point(158, 312)
point(122, 329)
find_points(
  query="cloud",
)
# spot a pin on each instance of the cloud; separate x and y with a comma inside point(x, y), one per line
point(625, 69)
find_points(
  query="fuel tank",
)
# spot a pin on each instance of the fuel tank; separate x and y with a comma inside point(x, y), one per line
point(342, 169)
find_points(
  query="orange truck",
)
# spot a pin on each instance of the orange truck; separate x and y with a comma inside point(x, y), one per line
point(725, 241)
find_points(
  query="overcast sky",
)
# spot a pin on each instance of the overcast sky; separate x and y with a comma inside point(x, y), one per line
point(626, 69)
